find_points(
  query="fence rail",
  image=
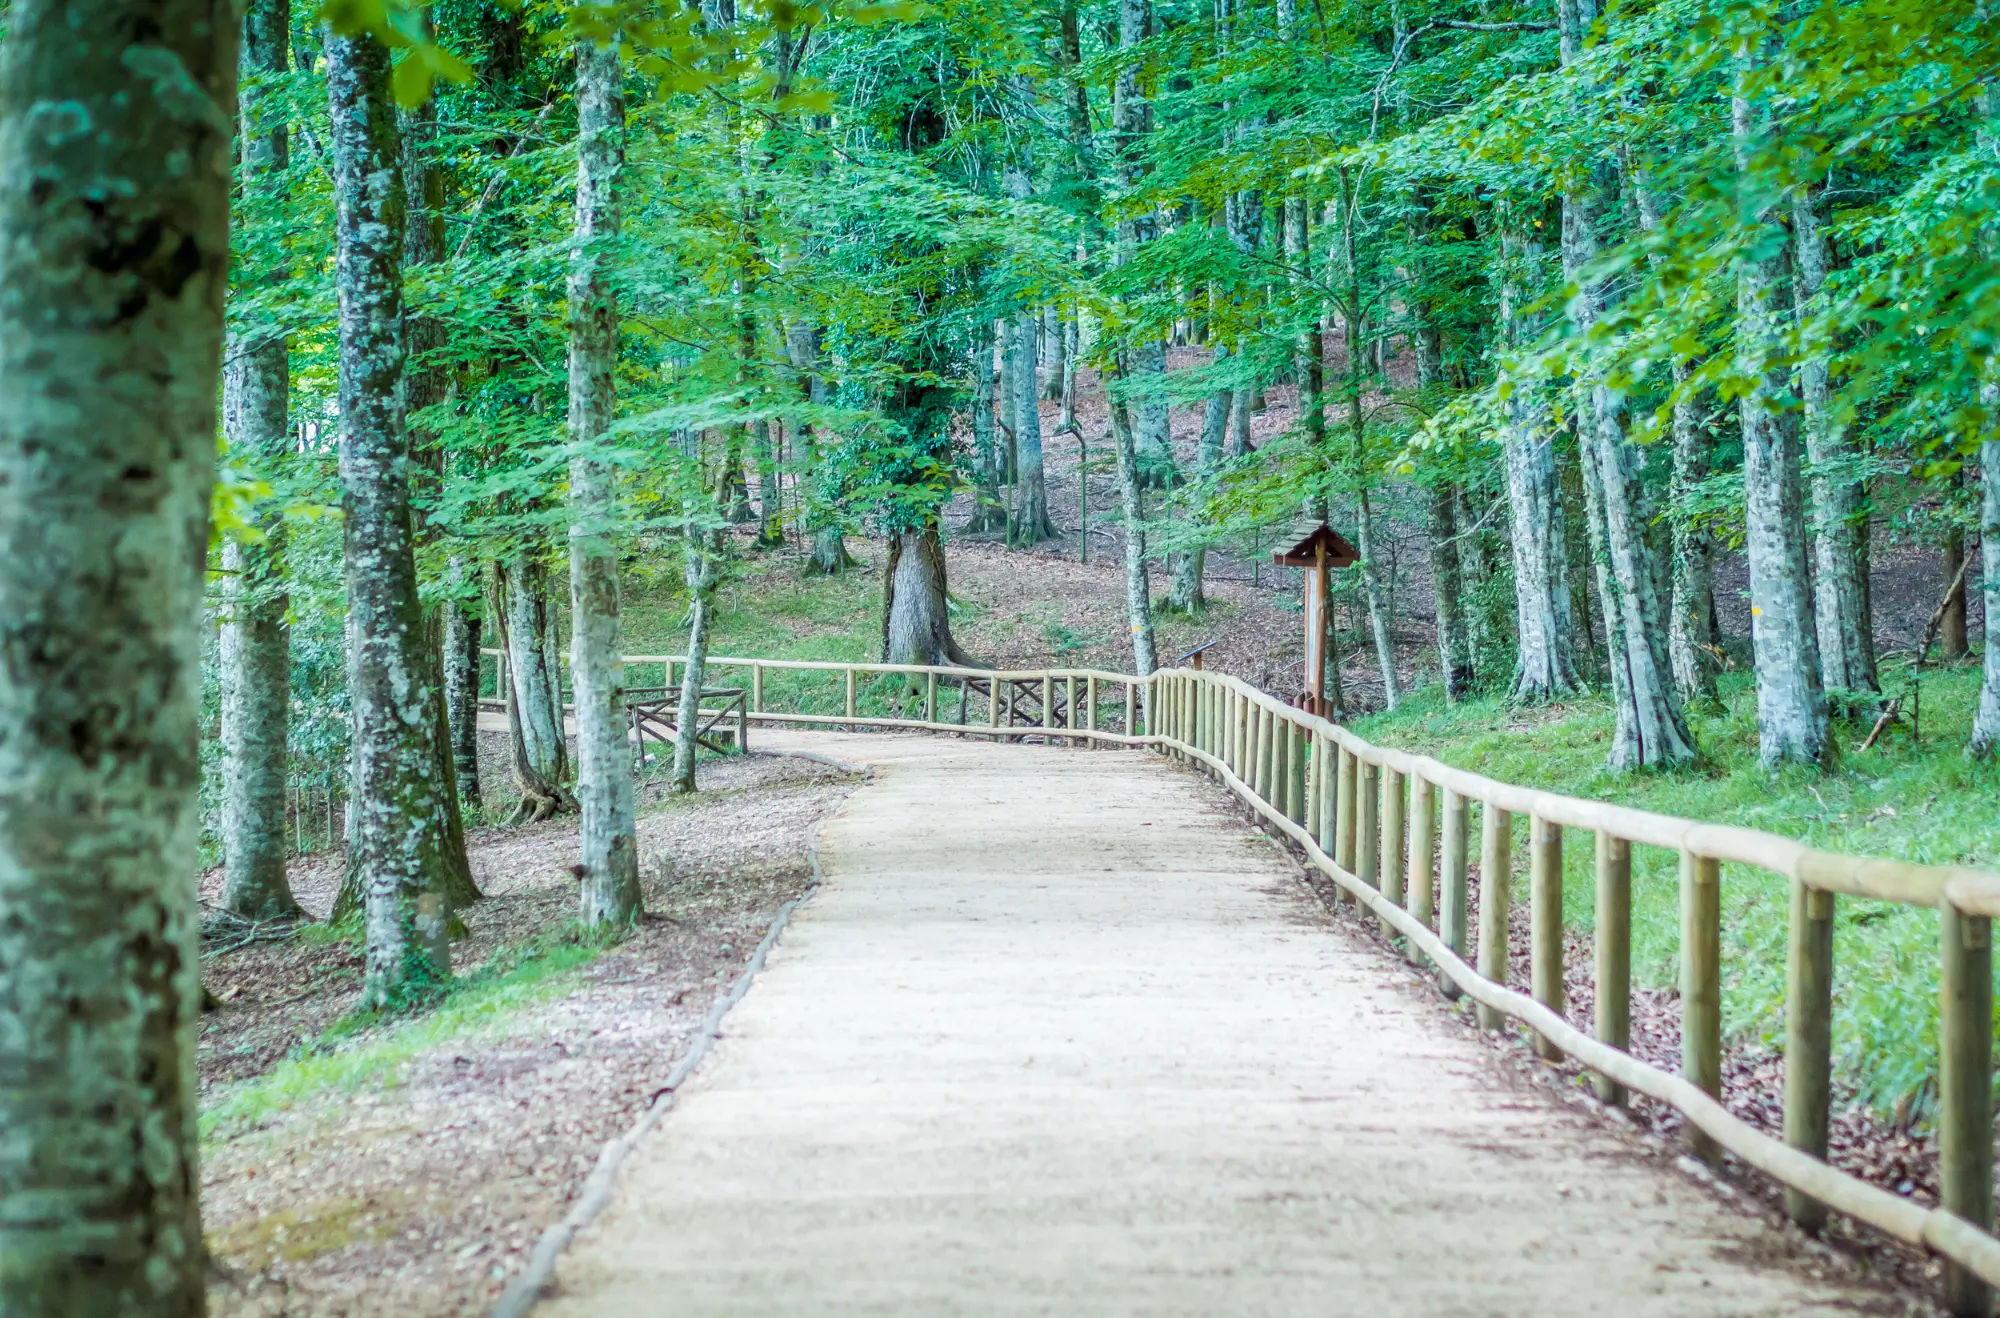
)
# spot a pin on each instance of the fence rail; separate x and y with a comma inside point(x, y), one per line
point(1394, 832)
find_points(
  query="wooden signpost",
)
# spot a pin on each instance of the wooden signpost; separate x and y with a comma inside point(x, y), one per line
point(1324, 549)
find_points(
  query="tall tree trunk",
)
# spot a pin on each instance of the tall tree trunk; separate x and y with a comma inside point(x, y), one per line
point(1130, 120)
point(397, 811)
point(1791, 707)
point(427, 384)
point(1952, 643)
point(256, 675)
point(1448, 594)
point(770, 525)
point(461, 680)
point(989, 513)
point(704, 573)
point(1839, 500)
point(1030, 522)
point(1545, 654)
point(1132, 500)
point(1055, 351)
point(1986, 721)
point(116, 244)
point(608, 859)
point(1355, 324)
point(1690, 648)
point(541, 766)
point(1691, 586)
point(1651, 729)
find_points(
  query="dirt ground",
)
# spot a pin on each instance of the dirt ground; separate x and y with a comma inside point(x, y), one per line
point(1123, 1062)
point(421, 1196)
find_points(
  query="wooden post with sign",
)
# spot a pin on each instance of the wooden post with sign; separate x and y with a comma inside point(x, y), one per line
point(1325, 548)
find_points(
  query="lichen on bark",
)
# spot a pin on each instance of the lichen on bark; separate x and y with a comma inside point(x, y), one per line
point(115, 128)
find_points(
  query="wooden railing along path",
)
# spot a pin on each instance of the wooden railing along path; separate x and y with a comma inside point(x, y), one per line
point(1394, 832)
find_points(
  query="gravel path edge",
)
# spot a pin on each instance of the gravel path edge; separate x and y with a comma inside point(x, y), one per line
point(526, 1290)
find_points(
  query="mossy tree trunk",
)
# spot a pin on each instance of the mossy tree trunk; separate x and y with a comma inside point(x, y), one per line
point(115, 126)
point(397, 812)
point(608, 837)
point(1791, 706)
point(255, 666)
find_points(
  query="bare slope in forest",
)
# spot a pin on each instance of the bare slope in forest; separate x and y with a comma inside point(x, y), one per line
point(1059, 1033)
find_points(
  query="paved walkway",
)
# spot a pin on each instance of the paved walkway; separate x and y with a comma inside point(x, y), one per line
point(1060, 1035)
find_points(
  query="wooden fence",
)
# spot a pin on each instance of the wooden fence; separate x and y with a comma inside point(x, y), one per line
point(1394, 832)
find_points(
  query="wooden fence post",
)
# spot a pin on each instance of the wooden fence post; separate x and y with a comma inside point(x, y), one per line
point(1315, 781)
point(1423, 836)
point(1069, 706)
point(1090, 704)
point(1346, 825)
point(1808, 1038)
point(850, 697)
point(930, 697)
point(1395, 825)
point(1545, 914)
point(1612, 947)
point(1965, 1089)
point(1327, 794)
point(1496, 897)
point(756, 688)
point(1368, 826)
point(1295, 771)
point(1048, 713)
point(1452, 914)
point(1701, 985)
point(1260, 764)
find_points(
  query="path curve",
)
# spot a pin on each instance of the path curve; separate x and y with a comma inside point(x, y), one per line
point(1060, 1034)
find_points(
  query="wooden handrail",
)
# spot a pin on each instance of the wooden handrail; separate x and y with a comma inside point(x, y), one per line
point(1392, 830)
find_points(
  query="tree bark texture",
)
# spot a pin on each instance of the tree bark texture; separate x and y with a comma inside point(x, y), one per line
point(115, 126)
point(608, 886)
point(427, 384)
point(1651, 729)
point(1986, 720)
point(1791, 706)
point(1545, 655)
point(255, 667)
point(1030, 523)
point(704, 550)
point(989, 513)
point(541, 752)
point(1448, 595)
point(1839, 500)
point(397, 810)
point(1132, 499)
point(916, 624)
point(770, 521)
point(461, 681)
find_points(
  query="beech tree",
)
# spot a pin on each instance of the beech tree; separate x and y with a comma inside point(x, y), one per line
point(115, 127)
point(256, 647)
point(609, 842)
point(397, 814)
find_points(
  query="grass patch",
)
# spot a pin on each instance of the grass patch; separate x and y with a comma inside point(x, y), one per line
point(370, 1049)
point(1925, 802)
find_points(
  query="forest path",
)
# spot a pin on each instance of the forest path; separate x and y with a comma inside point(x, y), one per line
point(1059, 1033)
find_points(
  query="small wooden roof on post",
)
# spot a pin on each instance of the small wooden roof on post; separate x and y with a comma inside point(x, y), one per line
point(1323, 548)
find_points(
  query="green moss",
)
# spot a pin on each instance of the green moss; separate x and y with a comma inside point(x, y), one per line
point(1925, 802)
point(369, 1050)
point(299, 1235)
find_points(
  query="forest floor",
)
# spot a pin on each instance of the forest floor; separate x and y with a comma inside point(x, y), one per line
point(355, 1165)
